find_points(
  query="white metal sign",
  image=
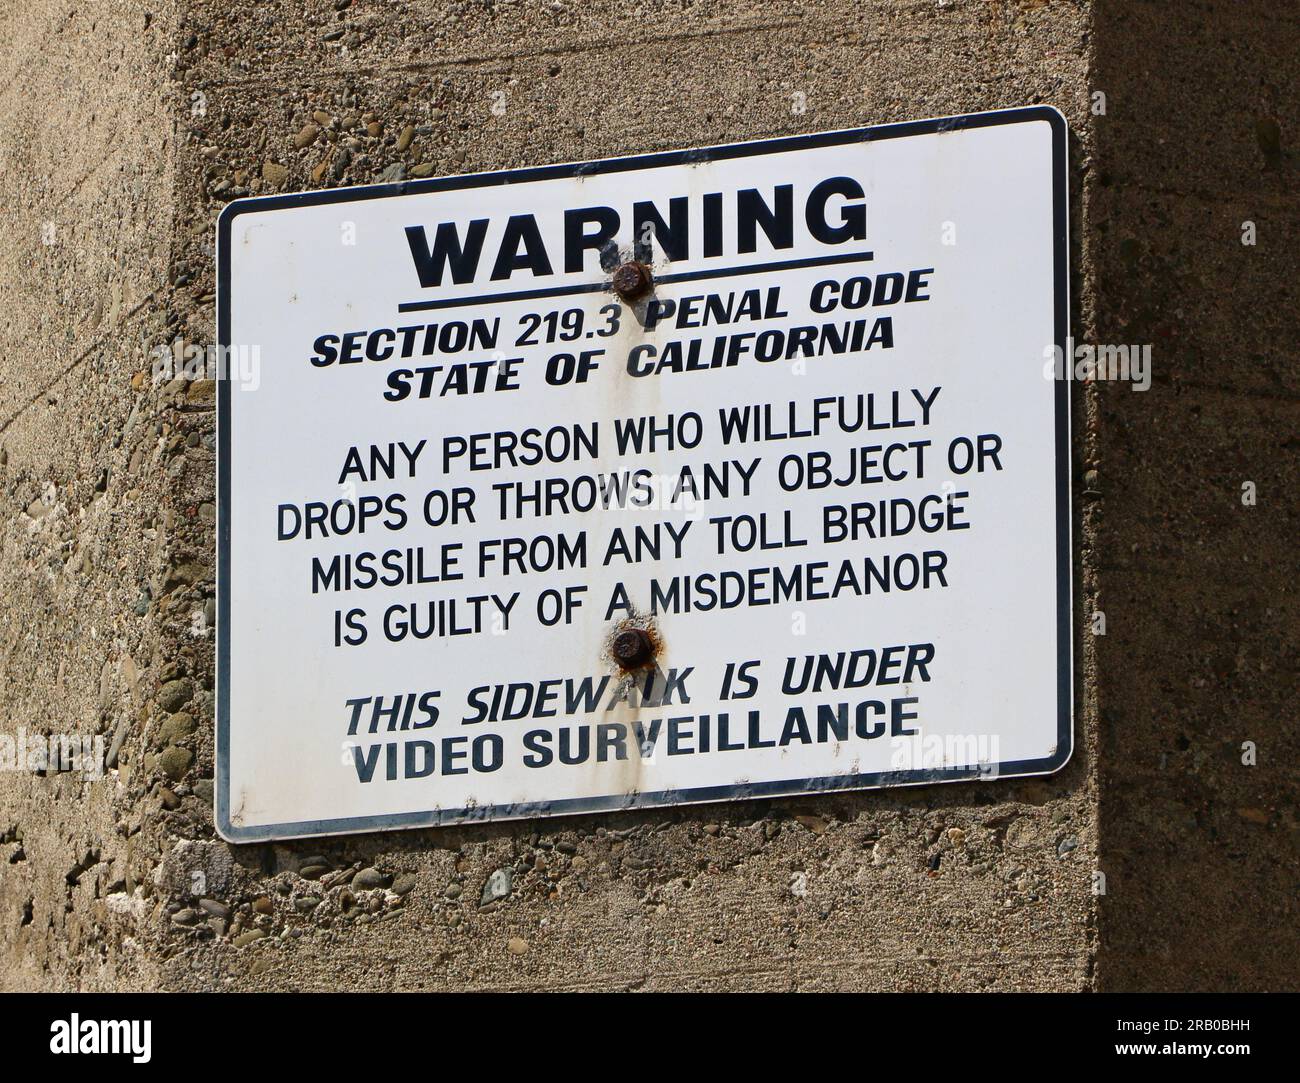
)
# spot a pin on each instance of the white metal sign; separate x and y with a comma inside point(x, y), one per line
point(786, 512)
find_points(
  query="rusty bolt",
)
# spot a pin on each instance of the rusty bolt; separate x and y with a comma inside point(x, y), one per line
point(632, 648)
point(632, 280)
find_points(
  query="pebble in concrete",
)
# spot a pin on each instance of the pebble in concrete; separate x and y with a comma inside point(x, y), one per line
point(367, 879)
point(498, 886)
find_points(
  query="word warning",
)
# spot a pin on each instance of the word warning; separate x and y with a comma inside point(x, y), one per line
point(696, 476)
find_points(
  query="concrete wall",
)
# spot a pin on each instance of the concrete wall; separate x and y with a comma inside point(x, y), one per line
point(1199, 590)
point(87, 184)
point(130, 134)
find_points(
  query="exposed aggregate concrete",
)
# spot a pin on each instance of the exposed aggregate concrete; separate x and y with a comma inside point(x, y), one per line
point(147, 118)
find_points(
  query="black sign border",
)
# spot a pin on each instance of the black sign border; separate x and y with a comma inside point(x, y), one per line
point(697, 795)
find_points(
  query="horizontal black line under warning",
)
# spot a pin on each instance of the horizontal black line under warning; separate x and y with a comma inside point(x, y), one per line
point(664, 280)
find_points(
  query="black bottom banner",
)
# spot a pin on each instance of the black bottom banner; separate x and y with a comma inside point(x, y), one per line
point(150, 1030)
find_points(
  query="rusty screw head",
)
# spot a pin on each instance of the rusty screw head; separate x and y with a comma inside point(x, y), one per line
point(632, 648)
point(632, 280)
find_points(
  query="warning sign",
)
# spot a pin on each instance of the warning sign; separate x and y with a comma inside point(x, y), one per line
point(695, 476)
